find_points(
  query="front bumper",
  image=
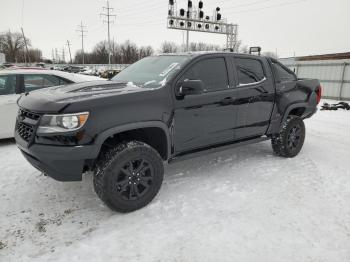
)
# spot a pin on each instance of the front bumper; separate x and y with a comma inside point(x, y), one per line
point(63, 163)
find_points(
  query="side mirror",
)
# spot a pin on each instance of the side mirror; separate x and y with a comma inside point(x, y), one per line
point(190, 87)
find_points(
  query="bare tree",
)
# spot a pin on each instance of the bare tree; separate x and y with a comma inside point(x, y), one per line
point(99, 54)
point(35, 55)
point(78, 58)
point(11, 45)
point(145, 51)
point(129, 52)
point(169, 47)
point(201, 46)
point(125, 53)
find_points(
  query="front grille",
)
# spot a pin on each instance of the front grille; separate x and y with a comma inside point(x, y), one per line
point(28, 114)
point(27, 123)
point(25, 131)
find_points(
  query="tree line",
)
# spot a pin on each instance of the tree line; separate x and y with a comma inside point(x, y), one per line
point(13, 46)
point(125, 53)
point(128, 52)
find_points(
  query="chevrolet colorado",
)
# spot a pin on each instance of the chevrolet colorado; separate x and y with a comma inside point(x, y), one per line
point(162, 109)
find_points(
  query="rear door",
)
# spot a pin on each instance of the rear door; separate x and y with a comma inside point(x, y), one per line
point(205, 119)
point(255, 96)
point(9, 93)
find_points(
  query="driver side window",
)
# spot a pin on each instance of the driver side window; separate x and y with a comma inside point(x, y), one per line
point(7, 85)
point(211, 71)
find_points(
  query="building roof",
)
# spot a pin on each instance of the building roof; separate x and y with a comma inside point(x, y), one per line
point(334, 56)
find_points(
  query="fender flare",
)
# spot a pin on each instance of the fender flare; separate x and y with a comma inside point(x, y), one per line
point(132, 126)
point(291, 107)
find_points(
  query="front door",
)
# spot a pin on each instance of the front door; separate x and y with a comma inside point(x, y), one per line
point(205, 119)
point(8, 105)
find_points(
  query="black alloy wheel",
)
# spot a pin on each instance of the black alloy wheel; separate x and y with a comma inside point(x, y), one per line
point(128, 176)
point(134, 179)
point(294, 137)
point(289, 141)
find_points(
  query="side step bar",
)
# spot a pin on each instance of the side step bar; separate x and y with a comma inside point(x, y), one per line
point(210, 150)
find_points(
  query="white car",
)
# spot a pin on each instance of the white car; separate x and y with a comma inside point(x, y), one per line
point(15, 82)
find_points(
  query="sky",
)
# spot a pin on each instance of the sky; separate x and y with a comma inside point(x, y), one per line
point(288, 27)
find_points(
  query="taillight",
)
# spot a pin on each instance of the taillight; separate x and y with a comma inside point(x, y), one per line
point(318, 94)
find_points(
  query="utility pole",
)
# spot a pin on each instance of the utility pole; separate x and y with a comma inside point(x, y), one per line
point(57, 57)
point(82, 32)
point(187, 41)
point(108, 15)
point(63, 55)
point(53, 56)
point(25, 42)
point(70, 55)
point(183, 41)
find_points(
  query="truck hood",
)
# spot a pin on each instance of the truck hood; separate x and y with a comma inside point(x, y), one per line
point(54, 99)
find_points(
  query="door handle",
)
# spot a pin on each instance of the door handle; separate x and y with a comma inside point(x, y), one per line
point(227, 101)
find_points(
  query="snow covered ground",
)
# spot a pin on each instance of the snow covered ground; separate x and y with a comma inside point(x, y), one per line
point(240, 205)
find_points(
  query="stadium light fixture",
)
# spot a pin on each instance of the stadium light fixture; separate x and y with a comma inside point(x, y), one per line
point(192, 20)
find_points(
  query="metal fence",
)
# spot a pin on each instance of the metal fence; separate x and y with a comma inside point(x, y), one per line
point(334, 76)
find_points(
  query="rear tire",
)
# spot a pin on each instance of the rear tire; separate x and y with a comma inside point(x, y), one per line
point(290, 139)
point(128, 176)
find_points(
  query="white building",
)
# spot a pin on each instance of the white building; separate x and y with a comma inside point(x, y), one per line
point(333, 71)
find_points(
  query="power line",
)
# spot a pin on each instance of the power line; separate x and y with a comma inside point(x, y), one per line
point(153, 22)
point(82, 32)
point(108, 15)
point(250, 4)
point(270, 6)
point(146, 5)
point(158, 7)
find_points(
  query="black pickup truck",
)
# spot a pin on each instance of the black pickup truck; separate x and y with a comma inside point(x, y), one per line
point(162, 109)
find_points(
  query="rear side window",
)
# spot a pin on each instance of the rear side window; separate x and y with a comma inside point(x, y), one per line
point(282, 73)
point(34, 82)
point(7, 85)
point(62, 81)
point(211, 71)
point(249, 70)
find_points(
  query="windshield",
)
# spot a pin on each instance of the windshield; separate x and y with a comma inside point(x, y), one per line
point(151, 72)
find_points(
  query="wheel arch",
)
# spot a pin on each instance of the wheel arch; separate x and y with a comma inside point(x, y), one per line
point(154, 133)
point(297, 109)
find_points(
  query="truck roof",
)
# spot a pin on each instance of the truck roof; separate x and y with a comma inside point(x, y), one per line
point(200, 53)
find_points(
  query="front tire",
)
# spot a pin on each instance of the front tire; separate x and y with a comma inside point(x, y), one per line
point(290, 139)
point(128, 176)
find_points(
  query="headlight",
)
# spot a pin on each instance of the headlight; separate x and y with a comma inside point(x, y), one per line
point(62, 123)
